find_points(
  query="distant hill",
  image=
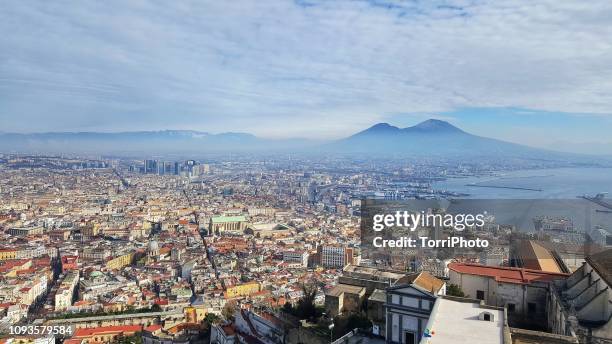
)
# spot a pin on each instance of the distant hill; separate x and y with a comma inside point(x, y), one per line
point(429, 138)
point(150, 142)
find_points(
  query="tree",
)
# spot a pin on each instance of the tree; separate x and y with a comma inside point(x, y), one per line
point(454, 290)
point(348, 322)
point(211, 318)
point(306, 308)
point(288, 308)
point(229, 309)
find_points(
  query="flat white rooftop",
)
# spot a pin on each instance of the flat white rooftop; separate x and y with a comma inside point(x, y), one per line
point(461, 322)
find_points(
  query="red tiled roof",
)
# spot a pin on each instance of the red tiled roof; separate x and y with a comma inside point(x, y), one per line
point(86, 332)
point(71, 341)
point(153, 328)
point(161, 302)
point(506, 274)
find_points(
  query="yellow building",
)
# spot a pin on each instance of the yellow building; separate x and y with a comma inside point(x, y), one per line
point(8, 253)
point(244, 289)
point(195, 314)
point(120, 261)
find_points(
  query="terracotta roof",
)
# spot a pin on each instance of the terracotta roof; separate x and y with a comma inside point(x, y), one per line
point(71, 341)
point(506, 274)
point(161, 302)
point(428, 282)
point(537, 257)
point(86, 332)
point(152, 328)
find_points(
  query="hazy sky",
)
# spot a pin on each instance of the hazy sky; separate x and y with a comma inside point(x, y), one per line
point(536, 72)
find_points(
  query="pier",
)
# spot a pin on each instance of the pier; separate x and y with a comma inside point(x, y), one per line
point(599, 200)
point(504, 187)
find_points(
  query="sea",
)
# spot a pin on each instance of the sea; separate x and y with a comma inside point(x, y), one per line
point(557, 183)
point(518, 197)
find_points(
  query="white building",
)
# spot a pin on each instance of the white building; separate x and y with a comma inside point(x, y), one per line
point(297, 256)
point(522, 291)
point(65, 292)
point(335, 256)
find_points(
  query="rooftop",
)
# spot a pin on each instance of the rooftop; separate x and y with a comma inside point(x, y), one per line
point(344, 288)
point(537, 257)
point(424, 280)
point(358, 271)
point(602, 263)
point(378, 295)
point(86, 332)
point(453, 316)
point(223, 219)
point(506, 274)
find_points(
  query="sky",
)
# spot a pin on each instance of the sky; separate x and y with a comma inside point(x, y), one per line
point(533, 72)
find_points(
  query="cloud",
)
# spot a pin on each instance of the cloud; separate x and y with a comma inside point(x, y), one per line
point(295, 68)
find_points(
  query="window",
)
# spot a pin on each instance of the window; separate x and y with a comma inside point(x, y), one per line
point(480, 294)
point(425, 304)
point(410, 302)
point(531, 307)
point(395, 299)
point(486, 316)
point(409, 338)
point(511, 307)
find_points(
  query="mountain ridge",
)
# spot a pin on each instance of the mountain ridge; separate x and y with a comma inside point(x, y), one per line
point(431, 137)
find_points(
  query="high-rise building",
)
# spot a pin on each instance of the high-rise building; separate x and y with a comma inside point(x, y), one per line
point(335, 256)
point(150, 166)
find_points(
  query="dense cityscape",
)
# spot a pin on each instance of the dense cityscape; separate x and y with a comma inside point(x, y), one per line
point(268, 251)
point(306, 172)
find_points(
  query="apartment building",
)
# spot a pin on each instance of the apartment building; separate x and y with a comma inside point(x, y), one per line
point(65, 293)
point(296, 256)
point(335, 256)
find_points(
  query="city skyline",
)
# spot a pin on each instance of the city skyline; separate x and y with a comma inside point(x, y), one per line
point(535, 74)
